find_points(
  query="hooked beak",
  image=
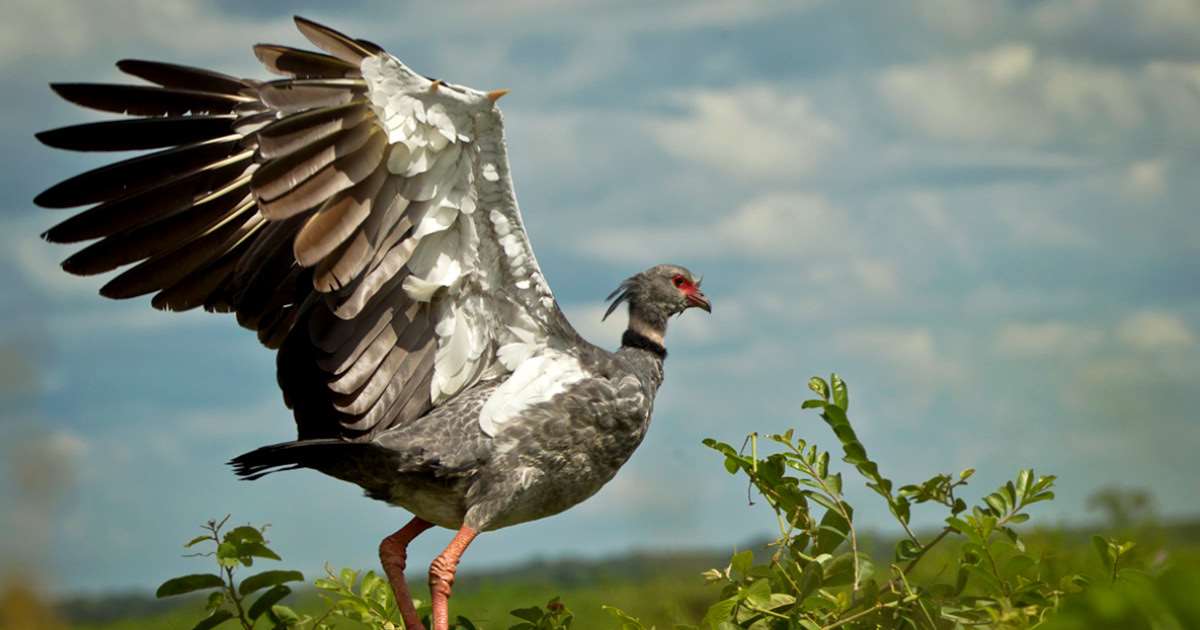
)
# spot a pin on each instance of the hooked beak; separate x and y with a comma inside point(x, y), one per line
point(698, 299)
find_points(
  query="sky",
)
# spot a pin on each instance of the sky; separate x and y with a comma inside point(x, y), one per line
point(981, 215)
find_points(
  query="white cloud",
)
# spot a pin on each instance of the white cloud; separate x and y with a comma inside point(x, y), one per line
point(876, 276)
point(1155, 330)
point(994, 299)
point(1046, 339)
point(63, 31)
point(931, 209)
point(912, 352)
point(966, 99)
point(1015, 95)
point(904, 346)
point(753, 131)
point(1042, 227)
point(1146, 179)
point(1156, 21)
point(772, 226)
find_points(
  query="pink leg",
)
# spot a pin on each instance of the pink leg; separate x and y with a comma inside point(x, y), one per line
point(441, 576)
point(393, 554)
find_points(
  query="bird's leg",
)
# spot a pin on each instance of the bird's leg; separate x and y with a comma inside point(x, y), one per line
point(441, 576)
point(393, 554)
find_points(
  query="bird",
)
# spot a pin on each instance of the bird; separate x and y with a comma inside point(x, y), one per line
point(360, 218)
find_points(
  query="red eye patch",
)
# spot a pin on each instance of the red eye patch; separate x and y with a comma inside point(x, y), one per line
point(683, 284)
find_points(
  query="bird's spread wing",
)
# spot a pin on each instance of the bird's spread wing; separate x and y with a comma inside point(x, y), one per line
point(357, 215)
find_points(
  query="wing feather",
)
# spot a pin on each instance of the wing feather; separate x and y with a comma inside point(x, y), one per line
point(358, 216)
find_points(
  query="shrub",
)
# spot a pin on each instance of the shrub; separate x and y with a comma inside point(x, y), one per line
point(816, 575)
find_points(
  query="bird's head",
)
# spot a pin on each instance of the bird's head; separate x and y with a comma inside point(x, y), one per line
point(658, 293)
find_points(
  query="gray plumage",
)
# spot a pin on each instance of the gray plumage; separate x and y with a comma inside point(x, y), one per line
point(445, 469)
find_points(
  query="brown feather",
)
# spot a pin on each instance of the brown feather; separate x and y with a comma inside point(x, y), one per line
point(341, 268)
point(283, 175)
point(183, 77)
point(135, 174)
point(337, 219)
point(263, 270)
point(147, 100)
point(148, 205)
point(333, 42)
point(161, 236)
point(135, 134)
point(167, 269)
point(303, 64)
point(197, 287)
point(294, 132)
point(290, 95)
point(343, 173)
point(355, 375)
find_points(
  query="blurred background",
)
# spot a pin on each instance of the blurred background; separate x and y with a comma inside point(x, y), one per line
point(982, 215)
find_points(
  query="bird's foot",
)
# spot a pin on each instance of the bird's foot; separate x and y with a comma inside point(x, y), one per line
point(441, 576)
point(393, 555)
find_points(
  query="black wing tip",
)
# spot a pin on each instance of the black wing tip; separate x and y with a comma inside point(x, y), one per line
point(124, 65)
point(52, 138)
point(52, 198)
point(64, 89)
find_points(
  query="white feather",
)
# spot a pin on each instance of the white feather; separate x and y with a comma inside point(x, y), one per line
point(489, 301)
point(537, 380)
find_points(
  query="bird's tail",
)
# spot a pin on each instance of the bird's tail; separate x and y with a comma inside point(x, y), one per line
point(324, 454)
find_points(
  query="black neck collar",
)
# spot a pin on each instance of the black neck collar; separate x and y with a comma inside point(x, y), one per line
point(634, 339)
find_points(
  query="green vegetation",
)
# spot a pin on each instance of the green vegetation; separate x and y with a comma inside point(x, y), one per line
point(984, 568)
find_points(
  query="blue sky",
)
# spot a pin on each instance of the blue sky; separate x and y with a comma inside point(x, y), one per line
point(981, 214)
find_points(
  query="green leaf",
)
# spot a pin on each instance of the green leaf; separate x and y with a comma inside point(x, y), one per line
point(1104, 551)
point(244, 533)
point(227, 554)
point(256, 550)
point(719, 612)
point(215, 600)
point(759, 593)
point(742, 561)
point(197, 540)
point(1025, 482)
point(818, 385)
point(217, 618)
point(841, 397)
point(731, 465)
point(813, 404)
point(906, 549)
point(267, 600)
point(831, 532)
point(810, 580)
point(285, 614)
point(188, 584)
point(1016, 566)
point(268, 578)
point(966, 474)
point(532, 614)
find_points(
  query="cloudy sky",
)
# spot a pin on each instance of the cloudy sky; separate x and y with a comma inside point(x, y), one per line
point(981, 214)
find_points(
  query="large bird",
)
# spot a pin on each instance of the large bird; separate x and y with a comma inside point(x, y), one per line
point(361, 218)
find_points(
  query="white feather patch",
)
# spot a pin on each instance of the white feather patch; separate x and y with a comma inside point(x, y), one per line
point(536, 380)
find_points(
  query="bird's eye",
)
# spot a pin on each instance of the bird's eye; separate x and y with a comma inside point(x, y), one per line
point(679, 281)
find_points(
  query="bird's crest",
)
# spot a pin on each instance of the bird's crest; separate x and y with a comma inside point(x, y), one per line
point(621, 294)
